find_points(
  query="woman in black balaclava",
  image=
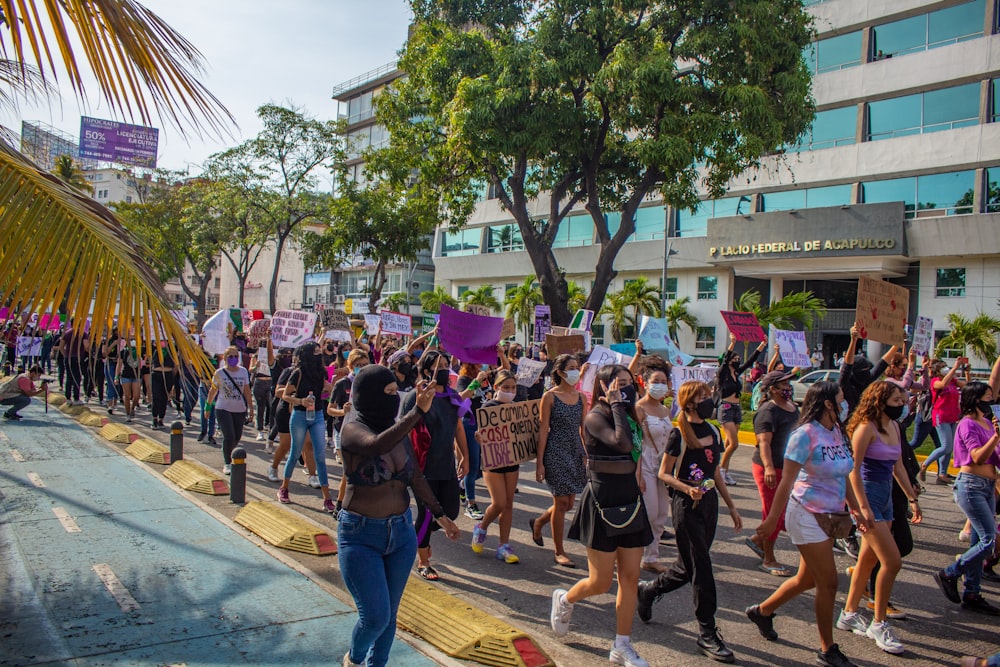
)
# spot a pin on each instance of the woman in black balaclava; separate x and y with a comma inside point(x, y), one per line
point(375, 522)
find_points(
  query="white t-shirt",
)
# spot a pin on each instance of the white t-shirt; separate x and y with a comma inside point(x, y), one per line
point(230, 398)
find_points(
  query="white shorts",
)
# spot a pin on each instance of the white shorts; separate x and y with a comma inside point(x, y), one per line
point(801, 525)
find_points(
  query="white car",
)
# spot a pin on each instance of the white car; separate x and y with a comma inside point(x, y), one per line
point(801, 386)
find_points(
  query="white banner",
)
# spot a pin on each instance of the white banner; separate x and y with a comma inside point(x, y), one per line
point(923, 336)
point(528, 371)
point(794, 351)
point(372, 323)
point(681, 374)
point(337, 335)
point(396, 323)
point(291, 328)
point(599, 357)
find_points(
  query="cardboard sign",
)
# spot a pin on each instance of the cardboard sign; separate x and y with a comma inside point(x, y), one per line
point(49, 322)
point(478, 310)
point(923, 336)
point(794, 350)
point(681, 374)
point(291, 328)
point(262, 355)
point(655, 336)
point(508, 329)
point(744, 326)
point(372, 322)
point(508, 434)
point(882, 311)
point(571, 344)
point(582, 320)
point(543, 322)
point(258, 333)
point(396, 323)
point(28, 346)
point(471, 338)
point(528, 371)
point(336, 319)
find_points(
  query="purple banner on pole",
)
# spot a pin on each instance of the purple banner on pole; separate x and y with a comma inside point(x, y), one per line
point(471, 338)
point(111, 141)
point(543, 322)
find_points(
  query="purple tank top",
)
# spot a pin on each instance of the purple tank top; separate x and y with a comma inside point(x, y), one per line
point(879, 460)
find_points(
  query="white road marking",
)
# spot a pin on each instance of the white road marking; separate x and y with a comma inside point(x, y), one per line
point(116, 588)
point(66, 520)
point(36, 480)
point(3, 437)
point(18, 456)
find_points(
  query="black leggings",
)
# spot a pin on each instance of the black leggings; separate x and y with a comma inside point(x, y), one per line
point(74, 374)
point(231, 424)
point(262, 397)
point(446, 491)
point(163, 382)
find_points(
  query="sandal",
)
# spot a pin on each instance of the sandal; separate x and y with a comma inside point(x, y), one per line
point(775, 570)
point(428, 573)
point(564, 560)
point(754, 547)
point(537, 540)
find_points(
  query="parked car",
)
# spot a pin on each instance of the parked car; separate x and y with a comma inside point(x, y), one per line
point(801, 386)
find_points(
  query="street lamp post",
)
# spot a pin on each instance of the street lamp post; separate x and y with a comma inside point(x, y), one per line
point(667, 252)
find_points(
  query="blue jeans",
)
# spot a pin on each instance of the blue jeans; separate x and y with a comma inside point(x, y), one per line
point(946, 445)
point(298, 426)
point(922, 429)
point(993, 660)
point(207, 425)
point(363, 542)
point(469, 482)
point(109, 380)
point(974, 494)
point(190, 397)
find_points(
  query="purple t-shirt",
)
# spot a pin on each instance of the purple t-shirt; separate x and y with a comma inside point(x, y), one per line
point(969, 435)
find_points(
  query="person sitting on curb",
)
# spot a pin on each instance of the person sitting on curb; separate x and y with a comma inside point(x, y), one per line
point(17, 392)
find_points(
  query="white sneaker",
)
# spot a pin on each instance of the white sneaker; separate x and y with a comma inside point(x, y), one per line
point(269, 447)
point(329, 443)
point(227, 469)
point(884, 637)
point(626, 656)
point(347, 661)
point(260, 436)
point(314, 481)
point(272, 475)
point(727, 478)
point(852, 622)
point(561, 612)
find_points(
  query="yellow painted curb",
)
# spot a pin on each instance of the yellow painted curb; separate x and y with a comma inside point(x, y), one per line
point(463, 631)
point(118, 433)
point(91, 418)
point(149, 451)
point(194, 477)
point(285, 529)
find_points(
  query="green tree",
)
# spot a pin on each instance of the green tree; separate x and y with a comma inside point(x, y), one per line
point(978, 335)
point(576, 298)
point(482, 296)
point(432, 300)
point(616, 308)
point(796, 309)
point(59, 246)
point(626, 308)
point(396, 302)
point(68, 171)
point(599, 103)
point(678, 313)
point(520, 302)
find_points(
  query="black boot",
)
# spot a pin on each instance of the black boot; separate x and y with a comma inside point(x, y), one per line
point(711, 644)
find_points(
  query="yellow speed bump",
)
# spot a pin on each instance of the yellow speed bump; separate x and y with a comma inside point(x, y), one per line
point(91, 418)
point(463, 631)
point(71, 409)
point(285, 529)
point(118, 433)
point(56, 399)
point(193, 477)
point(149, 451)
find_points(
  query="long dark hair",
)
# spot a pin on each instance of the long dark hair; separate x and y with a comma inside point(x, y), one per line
point(607, 375)
point(559, 366)
point(725, 372)
point(814, 404)
point(972, 393)
point(311, 370)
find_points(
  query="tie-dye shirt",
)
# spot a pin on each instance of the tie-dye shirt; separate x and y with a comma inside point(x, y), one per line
point(826, 462)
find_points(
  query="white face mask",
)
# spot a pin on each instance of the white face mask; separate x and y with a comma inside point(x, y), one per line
point(845, 409)
point(505, 396)
point(658, 390)
point(573, 377)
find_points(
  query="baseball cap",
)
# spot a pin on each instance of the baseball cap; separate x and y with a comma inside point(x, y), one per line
point(773, 378)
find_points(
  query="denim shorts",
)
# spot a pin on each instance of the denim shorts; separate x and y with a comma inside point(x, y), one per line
point(730, 412)
point(879, 498)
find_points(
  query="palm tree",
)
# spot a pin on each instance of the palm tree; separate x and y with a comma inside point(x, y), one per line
point(521, 302)
point(677, 313)
point(978, 334)
point(616, 307)
point(576, 297)
point(796, 309)
point(432, 300)
point(396, 302)
point(643, 298)
point(482, 296)
point(68, 171)
point(58, 244)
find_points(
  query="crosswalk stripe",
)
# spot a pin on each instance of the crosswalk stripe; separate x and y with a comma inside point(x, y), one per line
point(116, 587)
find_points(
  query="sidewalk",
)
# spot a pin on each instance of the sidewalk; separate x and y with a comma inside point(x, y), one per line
point(105, 564)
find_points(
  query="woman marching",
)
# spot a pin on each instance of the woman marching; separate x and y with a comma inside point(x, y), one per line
point(231, 384)
point(611, 521)
point(375, 527)
point(560, 452)
point(818, 461)
point(945, 414)
point(877, 443)
point(691, 469)
point(730, 387)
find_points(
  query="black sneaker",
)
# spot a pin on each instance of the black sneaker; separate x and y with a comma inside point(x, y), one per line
point(646, 598)
point(990, 575)
point(765, 624)
point(949, 585)
point(201, 436)
point(12, 417)
point(848, 545)
point(979, 604)
point(833, 658)
point(711, 644)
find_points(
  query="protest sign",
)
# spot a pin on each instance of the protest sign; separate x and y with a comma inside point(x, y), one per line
point(655, 336)
point(471, 338)
point(478, 310)
point(291, 328)
point(262, 356)
point(508, 434)
point(569, 344)
point(29, 346)
point(543, 322)
point(923, 335)
point(336, 319)
point(508, 329)
point(258, 333)
point(338, 335)
point(49, 322)
point(794, 351)
point(582, 320)
point(372, 323)
point(624, 348)
point(396, 323)
point(744, 326)
point(429, 322)
point(996, 410)
point(599, 357)
point(681, 374)
point(4, 313)
point(882, 311)
point(528, 371)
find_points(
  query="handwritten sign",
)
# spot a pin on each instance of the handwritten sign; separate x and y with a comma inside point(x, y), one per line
point(528, 371)
point(744, 326)
point(508, 434)
point(681, 374)
point(543, 322)
point(599, 357)
point(336, 319)
point(429, 322)
point(655, 336)
point(28, 346)
point(258, 333)
point(338, 335)
point(570, 344)
point(372, 322)
point(508, 329)
point(582, 320)
point(396, 323)
point(291, 328)
point(923, 335)
point(882, 311)
point(794, 351)
point(471, 338)
point(476, 309)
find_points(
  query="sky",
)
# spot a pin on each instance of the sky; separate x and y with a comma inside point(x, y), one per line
point(257, 52)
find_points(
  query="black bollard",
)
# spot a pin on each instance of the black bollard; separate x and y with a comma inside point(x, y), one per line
point(238, 477)
point(176, 441)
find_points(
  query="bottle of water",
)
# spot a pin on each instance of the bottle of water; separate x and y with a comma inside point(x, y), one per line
point(311, 411)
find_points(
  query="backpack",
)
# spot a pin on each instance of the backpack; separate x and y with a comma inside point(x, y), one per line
point(421, 439)
point(757, 397)
point(9, 388)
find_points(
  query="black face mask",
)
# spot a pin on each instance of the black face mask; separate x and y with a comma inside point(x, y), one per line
point(375, 408)
point(628, 395)
point(984, 407)
point(893, 412)
point(706, 408)
point(442, 377)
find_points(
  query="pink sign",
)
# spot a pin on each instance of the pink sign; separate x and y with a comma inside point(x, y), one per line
point(744, 326)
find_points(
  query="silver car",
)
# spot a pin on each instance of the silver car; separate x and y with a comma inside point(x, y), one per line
point(801, 386)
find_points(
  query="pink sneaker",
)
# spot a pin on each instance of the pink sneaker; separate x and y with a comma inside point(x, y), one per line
point(283, 496)
point(329, 505)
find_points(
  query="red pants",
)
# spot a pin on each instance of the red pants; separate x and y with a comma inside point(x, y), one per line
point(767, 497)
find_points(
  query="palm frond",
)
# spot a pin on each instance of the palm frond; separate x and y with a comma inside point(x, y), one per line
point(20, 82)
point(62, 248)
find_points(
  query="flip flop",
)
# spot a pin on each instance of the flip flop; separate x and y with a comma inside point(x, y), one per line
point(565, 561)
point(775, 570)
point(537, 540)
point(754, 547)
point(428, 573)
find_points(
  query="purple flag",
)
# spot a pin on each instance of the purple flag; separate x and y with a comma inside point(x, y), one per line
point(471, 338)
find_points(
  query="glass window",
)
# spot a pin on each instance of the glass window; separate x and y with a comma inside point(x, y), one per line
point(576, 230)
point(705, 338)
point(948, 352)
point(694, 223)
point(928, 31)
point(932, 111)
point(926, 196)
point(833, 127)
point(464, 242)
point(950, 282)
point(896, 189)
point(671, 287)
point(649, 223)
point(831, 195)
point(993, 190)
point(318, 278)
point(834, 53)
point(784, 201)
point(462, 289)
point(504, 238)
point(708, 288)
point(995, 101)
point(896, 117)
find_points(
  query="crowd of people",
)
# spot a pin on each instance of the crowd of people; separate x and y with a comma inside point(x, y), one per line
point(400, 414)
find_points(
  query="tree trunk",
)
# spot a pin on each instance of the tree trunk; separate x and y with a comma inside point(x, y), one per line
point(272, 294)
point(375, 295)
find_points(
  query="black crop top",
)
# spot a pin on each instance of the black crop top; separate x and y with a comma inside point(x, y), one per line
point(728, 383)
